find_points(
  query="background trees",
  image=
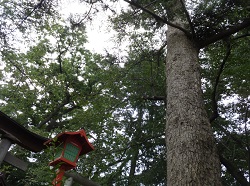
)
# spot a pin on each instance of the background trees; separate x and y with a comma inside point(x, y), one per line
point(51, 83)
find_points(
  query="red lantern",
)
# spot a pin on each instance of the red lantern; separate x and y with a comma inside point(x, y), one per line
point(70, 145)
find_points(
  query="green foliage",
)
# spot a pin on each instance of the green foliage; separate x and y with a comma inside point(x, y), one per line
point(59, 85)
point(211, 17)
point(232, 95)
point(51, 83)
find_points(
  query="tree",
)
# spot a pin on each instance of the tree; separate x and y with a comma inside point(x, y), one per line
point(191, 149)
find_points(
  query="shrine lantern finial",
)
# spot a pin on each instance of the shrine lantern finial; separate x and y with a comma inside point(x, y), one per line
point(69, 146)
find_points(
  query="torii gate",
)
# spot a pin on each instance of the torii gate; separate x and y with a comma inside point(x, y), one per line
point(12, 132)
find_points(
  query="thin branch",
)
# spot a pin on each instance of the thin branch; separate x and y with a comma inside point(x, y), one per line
point(130, 145)
point(38, 5)
point(87, 13)
point(234, 171)
point(162, 47)
point(74, 24)
point(23, 74)
point(247, 137)
point(188, 18)
point(159, 52)
point(215, 113)
point(146, 6)
point(106, 6)
point(158, 18)
point(239, 142)
point(55, 111)
point(52, 124)
point(133, 164)
point(225, 33)
point(154, 98)
point(242, 36)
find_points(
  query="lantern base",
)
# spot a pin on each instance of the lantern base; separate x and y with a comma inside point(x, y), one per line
point(61, 160)
point(59, 176)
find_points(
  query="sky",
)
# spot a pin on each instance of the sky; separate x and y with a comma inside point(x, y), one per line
point(100, 34)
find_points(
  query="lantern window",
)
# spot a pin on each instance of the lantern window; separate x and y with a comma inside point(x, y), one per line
point(71, 152)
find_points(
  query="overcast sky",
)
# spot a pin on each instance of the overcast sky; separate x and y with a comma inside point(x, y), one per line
point(98, 32)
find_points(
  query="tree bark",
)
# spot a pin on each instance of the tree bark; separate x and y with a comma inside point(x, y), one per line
point(192, 158)
point(133, 167)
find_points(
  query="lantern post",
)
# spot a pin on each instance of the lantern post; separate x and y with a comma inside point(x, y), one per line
point(69, 146)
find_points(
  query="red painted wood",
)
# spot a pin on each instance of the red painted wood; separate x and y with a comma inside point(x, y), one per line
point(59, 176)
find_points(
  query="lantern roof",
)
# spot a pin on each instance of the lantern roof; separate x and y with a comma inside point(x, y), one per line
point(79, 136)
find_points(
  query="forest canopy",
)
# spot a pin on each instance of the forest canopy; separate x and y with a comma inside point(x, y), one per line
point(51, 82)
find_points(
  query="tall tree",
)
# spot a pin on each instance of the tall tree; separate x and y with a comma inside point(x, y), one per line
point(191, 148)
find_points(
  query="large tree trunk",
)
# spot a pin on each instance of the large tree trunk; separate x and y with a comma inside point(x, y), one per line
point(191, 150)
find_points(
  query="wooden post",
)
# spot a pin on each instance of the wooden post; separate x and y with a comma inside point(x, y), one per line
point(4, 147)
point(59, 176)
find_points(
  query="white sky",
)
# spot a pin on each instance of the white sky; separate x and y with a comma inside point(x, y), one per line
point(100, 35)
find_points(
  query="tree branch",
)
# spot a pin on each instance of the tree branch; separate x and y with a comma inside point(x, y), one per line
point(225, 33)
point(159, 52)
point(234, 171)
point(55, 112)
point(162, 47)
point(188, 18)
point(233, 137)
point(75, 24)
point(145, 6)
point(242, 36)
point(154, 98)
point(247, 137)
point(158, 18)
point(133, 164)
point(52, 124)
point(215, 113)
point(24, 74)
point(38, 5)
point(130, 145)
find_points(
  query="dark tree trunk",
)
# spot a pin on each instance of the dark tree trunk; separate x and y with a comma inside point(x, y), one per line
point(133, 167)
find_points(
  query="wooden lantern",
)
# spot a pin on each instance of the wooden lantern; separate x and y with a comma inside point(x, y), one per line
point(69, 146)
